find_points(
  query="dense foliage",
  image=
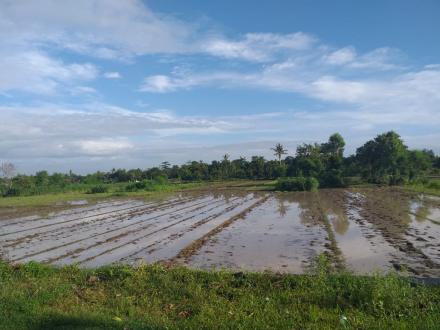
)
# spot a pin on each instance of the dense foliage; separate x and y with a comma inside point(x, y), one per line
point(297, 184)
point(383, 160)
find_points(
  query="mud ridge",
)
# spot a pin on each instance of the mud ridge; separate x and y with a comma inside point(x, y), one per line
point(195, 246)
point(125, 234)
point(109, 231)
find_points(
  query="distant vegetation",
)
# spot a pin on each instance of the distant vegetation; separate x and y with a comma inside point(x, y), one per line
point(384, 160)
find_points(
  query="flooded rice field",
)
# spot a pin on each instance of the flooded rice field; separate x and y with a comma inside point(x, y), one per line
point(362, 230)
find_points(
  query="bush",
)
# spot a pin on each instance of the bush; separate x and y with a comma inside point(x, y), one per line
point(12, 192)
point(147, 185)
point(297, 184)
point(332, 179)
point(434, 185)
point(136, 186)
point(160, 179)
point(98, 190)
point(312, 184)
point(353, 180)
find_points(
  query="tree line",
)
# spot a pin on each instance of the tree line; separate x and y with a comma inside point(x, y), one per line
point(382, 160)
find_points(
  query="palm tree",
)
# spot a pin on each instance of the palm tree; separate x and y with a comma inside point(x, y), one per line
point(279, 151)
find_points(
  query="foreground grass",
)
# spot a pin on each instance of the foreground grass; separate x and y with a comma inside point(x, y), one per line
point(34, 296)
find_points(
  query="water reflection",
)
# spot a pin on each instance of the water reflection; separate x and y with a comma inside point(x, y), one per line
point(282, 207)
point(314, 205)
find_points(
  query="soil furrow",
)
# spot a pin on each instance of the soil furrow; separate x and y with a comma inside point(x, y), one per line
point(106, 232)
point(131, 240)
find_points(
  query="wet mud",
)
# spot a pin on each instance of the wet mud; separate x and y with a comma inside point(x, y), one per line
point(360, 230)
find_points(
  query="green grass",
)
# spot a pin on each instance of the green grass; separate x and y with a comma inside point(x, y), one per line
point(114, 190)
point(432, 187)
point(34, 296)
point(251, 185)
point(118, 190)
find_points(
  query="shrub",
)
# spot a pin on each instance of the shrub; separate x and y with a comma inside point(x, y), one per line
point(297, 184)
point(136, 186)
point(353, 180)
point(98, 190)
point(146, 185)
point(12, 192)
point(311, 184)
point(332, 179)
point(434, 185)
point(160, 179)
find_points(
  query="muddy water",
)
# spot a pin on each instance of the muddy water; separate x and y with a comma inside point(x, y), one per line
point(278, 235)
point(363, 230)
point(375, 230)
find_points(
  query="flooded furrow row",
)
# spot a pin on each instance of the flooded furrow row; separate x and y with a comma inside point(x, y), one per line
point(361, 230)
point(278, 235)
point(104, 249)
point(61, 220)
point(399, 239)
point(109, 223)
point(165, 243)
point(69, 239)
point(99, 207)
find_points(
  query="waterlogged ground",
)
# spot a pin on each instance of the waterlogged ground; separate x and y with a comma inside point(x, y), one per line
point(363, 230)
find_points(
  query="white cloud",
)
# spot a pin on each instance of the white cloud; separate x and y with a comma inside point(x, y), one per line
point(332, 89)
point(104, 146)
point(36, 72)
point(162, 83)
point(341, 56)
point(404, 99)
point(102, 28)
point(378, 59)
point(112, 75)
point(159, 84)
point(259, 47)
point(312, 77)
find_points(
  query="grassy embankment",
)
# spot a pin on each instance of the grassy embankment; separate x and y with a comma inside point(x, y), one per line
point(82, 192)
point(112, 190)
point(432, 187)
point(34, 296)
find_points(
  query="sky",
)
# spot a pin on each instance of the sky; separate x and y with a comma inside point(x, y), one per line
point(90, 85)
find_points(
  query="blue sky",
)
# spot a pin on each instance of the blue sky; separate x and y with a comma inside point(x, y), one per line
point(91, 84)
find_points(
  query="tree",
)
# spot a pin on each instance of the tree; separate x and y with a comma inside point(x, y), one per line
point(165, 166)
point(384, 159)
point(279, 151)
point(42, 179)
point(419, 162)
point(257, 167)
point(225, 167)
point(334, 146)
point(437, 162)
point(7, 172)
point(309, 160)
point(332, 154)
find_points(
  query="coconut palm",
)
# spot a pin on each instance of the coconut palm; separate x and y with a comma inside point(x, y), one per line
point(279, 151)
